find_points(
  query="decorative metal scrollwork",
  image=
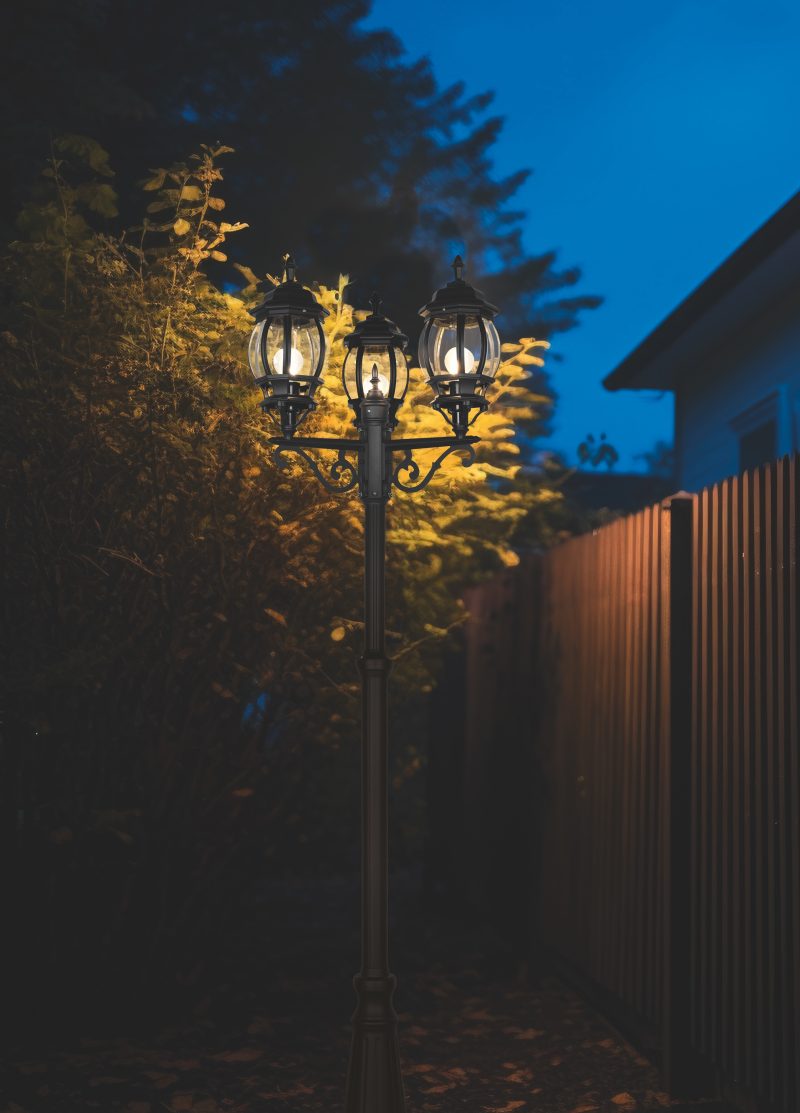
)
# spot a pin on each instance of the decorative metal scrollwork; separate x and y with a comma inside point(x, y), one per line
point(408, 464)
point(342, 473)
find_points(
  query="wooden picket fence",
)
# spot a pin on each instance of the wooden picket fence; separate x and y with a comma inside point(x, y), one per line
point(629, 751)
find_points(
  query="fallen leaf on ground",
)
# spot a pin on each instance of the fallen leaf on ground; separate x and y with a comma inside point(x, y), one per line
point(297, 1092)
point(159, 1079)
point(624, 1100)
point(511, 1105)
point(584, 1108)
point(241, 1055)
point(657, 1096)
point(524, 1075)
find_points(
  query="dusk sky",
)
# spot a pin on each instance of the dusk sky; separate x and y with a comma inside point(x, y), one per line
point(661, 136)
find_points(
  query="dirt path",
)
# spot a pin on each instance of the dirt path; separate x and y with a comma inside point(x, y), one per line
point(274, 1038)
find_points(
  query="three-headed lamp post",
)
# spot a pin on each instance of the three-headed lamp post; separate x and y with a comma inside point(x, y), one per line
point(460, 351)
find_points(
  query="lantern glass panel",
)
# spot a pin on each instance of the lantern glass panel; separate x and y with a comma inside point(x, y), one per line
point(492, 350)
point(304, 349)
point(255, 356)
point(441, 354)
point(446, 353)
point(349, 374)
point(378, 357)
point(401, 386)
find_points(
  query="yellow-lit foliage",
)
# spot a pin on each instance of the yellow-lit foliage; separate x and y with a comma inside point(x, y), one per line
point(182, 617)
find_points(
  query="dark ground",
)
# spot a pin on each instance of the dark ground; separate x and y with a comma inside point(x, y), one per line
point(274, 1038)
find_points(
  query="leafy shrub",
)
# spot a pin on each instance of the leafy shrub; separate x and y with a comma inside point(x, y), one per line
point(181, 619)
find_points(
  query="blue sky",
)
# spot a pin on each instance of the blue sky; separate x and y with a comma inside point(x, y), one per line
point(660, 134)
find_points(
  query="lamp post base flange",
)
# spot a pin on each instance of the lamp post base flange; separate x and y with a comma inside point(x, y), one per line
point(374, 1081)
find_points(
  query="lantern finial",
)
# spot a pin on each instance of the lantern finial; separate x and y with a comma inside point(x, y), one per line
point(375, 383)
point(458, 268)
point(375, 303)
point(289, 268)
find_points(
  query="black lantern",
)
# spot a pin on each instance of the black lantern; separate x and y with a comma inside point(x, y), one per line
point(375, 365)
point(287, 349)
point(460, 349)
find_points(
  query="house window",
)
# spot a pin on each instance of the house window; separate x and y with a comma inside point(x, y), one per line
point(758, 445)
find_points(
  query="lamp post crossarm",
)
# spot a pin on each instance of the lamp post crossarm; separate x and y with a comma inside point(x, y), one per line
point(408, 464)
point(408, 444)
point(317, 442)
point(342, 473)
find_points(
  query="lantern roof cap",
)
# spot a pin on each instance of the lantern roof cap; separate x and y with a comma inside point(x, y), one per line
point(289, 296)
point(458, 297)
point(376, 329)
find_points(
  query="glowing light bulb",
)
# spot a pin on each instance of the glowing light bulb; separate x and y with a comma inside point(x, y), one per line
point(296, 362)
point(451, 361)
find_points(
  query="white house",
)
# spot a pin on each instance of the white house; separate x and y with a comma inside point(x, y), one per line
point(731, 354)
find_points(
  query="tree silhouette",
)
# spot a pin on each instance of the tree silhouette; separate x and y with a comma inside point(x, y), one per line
point(347, 153)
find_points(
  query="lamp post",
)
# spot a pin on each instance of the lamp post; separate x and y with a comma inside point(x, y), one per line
point(460, 351)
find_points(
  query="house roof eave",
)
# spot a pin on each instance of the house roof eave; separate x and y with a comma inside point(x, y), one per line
point(765, 264)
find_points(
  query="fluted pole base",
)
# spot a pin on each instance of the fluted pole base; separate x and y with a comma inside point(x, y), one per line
point(374, 1081)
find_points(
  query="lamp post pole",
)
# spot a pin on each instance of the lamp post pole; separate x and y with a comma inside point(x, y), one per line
point(460, 350)
point(374, 1081)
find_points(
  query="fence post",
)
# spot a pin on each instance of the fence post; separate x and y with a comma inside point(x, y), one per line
point(684, 1073)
